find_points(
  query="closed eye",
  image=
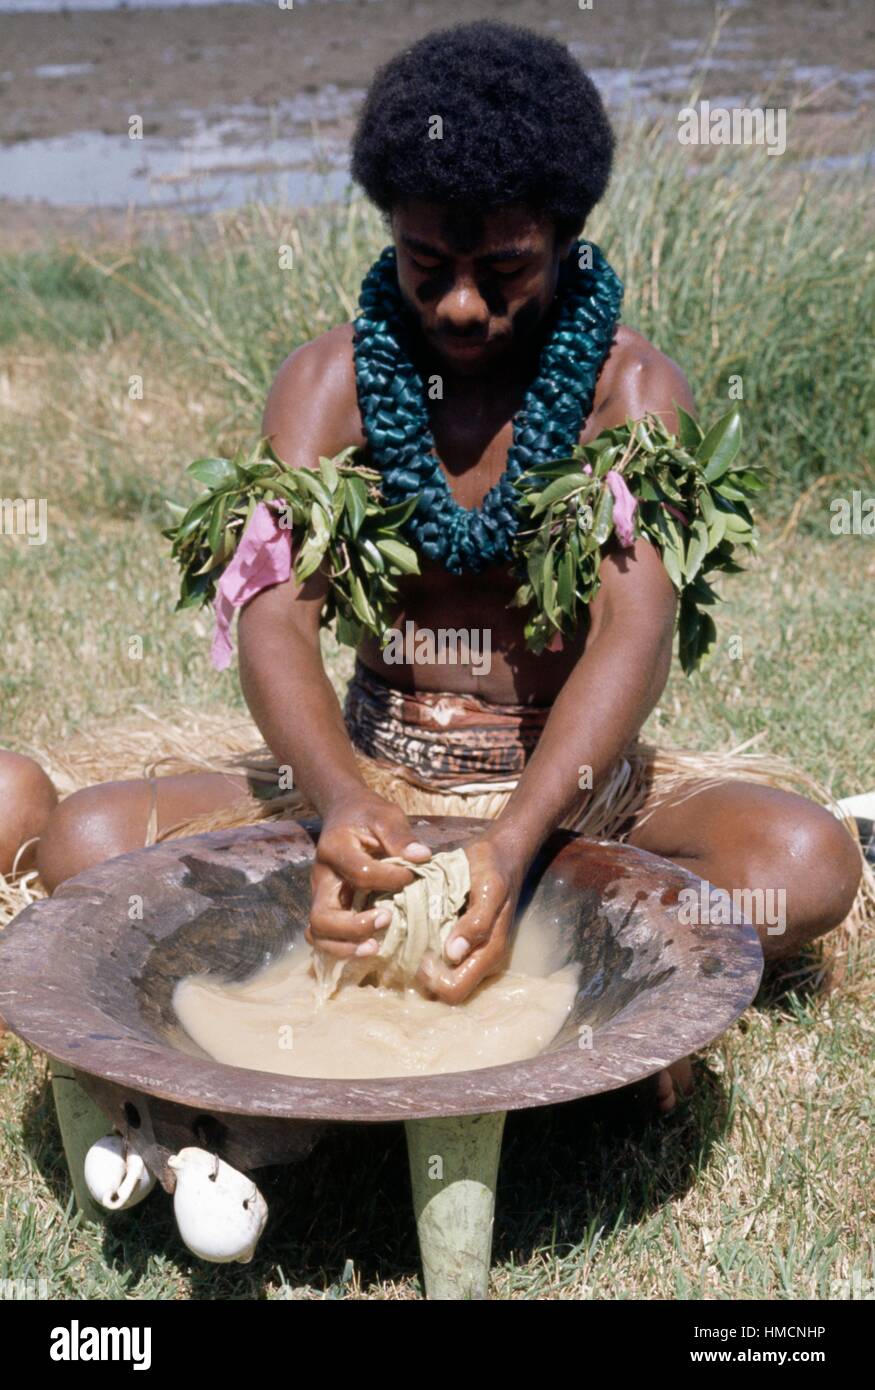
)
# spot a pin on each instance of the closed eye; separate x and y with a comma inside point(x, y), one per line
point(507, 274)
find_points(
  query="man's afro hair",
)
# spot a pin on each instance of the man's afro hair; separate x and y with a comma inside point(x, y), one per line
point(521, 123)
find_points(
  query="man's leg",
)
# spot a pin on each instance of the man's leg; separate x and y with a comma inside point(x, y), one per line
point(27, 799)
point(111, 818)
point(742, 836)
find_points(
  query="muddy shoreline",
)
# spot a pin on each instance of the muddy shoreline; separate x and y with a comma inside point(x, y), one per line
point(186, 70)
point(165, 63)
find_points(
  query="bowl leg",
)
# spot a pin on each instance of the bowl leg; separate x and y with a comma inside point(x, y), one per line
point(81, 1123)
point(453, 1172)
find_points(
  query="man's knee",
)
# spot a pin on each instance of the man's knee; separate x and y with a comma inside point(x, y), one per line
point(91, 825)
point(27, 799)
point(807, 851)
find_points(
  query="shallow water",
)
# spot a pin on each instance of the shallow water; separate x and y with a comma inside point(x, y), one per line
point(210, 168)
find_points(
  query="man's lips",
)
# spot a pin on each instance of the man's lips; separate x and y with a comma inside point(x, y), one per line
point(463, 347)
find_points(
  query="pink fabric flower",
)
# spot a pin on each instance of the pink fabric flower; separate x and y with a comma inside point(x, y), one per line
point(262, 558)
point(625, 505)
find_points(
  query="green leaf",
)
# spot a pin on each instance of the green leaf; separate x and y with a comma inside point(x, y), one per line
point(737, 518)
point(668, 489)
point(706, 505)
point(549, 587)
point(330, 475)
point(604, 516)
point(250, 510)
point(401, 555)
point(193, 518)
point(645, 490)
point(558, 491)
point(565, 583)
point(338, 500)
point(701, 592)
point(196, 591)
point(697, 635)
point(362, 609)
point(313, 484)
point(370, 550)
point(690, 432)
point(314, 547)
point(552, 468)
point(535, 569)
point(397, 514)
point(215, 531)
point(670, 546)
point(720, 446)
point(356, 504)
point(210, 561)
point(697, 549)
point(605, 460)
point(716, 529)
point(343, 459)
point(748, 479)
point(349, 632)
point(213, 473)
point(642, 433)
point(729, 490)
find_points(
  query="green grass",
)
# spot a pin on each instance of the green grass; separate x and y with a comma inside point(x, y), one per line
point(756, 1188)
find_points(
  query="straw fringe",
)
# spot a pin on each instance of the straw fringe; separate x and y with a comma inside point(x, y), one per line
point(146, 746)
point(647, 778)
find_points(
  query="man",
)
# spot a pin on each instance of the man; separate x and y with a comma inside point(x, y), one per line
point(486, 147)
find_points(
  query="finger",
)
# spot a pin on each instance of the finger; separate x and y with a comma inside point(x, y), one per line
point(395, 836)
point(343, 852)
point(342, 950)
point(329, 923)
point(474, 926)
point(454, 986)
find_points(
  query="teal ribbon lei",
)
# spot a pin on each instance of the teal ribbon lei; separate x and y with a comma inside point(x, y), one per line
point(395, 418)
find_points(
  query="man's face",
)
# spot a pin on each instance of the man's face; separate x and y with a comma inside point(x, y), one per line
point(479, 284)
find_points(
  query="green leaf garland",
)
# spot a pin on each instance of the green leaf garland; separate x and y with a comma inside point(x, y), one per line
point(337, 520)
point(694, 504)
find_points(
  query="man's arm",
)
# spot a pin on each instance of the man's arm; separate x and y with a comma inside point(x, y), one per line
point(606, 699)
point(627, 659)
point(609, 694)
point(312, 410)
point(281, 672)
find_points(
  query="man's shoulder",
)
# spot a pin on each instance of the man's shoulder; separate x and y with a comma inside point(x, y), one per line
point(633, 351)
point(636, 379)
point(312, 403)
point(331, 349)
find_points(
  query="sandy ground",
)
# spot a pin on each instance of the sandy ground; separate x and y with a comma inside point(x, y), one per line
point(173, 66)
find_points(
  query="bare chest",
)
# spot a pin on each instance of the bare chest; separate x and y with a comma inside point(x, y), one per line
point(473, 439)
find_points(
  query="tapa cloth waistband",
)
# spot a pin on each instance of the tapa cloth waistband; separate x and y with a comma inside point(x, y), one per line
point(440, 738)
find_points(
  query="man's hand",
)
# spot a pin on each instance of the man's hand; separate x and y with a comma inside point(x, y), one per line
point(354, 840)
point(479, 939)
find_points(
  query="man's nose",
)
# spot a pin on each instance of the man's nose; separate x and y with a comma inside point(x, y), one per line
point(463, 307)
